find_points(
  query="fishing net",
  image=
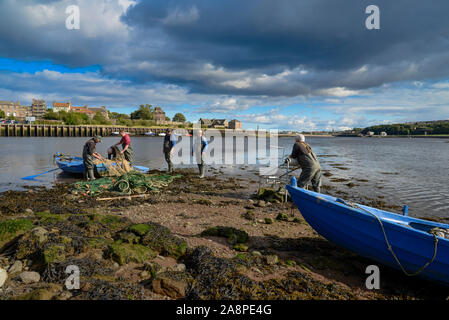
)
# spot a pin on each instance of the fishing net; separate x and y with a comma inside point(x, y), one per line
point(129, 183)
point(115, 168)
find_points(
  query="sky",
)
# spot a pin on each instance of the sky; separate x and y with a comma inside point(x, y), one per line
point(302, 65)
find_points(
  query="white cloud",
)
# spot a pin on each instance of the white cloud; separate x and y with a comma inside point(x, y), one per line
point(339, 92)
point(180, 16)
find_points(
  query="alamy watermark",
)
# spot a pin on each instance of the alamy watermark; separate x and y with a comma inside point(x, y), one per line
point(372, 22)
point(73, 280)
point(373, 280)
point(73, 20)
point(228, 147)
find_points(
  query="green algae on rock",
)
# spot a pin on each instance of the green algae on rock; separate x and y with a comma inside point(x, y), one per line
point(46, 293)
point(124, 253)
point(270, 195)
point(140, 229)
point(282, 217)
point(54, 253)
point(219, 278)
point(160, 239)
point(241, 247)
point(233, 235)
point(9, 229)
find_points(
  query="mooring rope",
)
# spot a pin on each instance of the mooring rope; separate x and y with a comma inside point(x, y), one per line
point(390, 248)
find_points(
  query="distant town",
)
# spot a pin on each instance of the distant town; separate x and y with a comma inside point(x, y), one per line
point(66, 113)
point(148, 116)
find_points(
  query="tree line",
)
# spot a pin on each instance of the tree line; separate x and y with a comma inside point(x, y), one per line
point(143, 117)
point(410, 128)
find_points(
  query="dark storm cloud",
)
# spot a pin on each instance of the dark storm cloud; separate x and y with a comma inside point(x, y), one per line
point(321, 33)
point(327, 38)
point(252, 47)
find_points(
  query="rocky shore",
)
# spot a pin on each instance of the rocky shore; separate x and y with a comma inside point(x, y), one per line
point(211, 238)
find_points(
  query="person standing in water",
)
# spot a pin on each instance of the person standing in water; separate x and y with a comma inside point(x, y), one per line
point(89, 155)
point(127, 150)
point(311, 168)
point(199, 151)
point(167, 149)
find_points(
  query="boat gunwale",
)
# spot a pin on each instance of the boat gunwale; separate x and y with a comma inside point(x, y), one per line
point(401, 223)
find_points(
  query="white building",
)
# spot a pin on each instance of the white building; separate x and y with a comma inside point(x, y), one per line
point(62, 106)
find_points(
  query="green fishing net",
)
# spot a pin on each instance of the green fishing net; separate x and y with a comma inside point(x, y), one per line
point(129, 183)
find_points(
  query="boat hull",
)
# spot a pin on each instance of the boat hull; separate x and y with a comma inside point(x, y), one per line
point(359, 231)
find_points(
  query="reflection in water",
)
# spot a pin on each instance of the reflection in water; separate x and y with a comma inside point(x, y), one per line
point(404, 171)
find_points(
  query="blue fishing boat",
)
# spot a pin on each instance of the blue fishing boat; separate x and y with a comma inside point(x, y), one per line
point(74, 165)
point(415, 246)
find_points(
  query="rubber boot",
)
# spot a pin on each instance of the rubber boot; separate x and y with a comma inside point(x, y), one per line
point(202, 171)
point(85, 177)
point(91, 174)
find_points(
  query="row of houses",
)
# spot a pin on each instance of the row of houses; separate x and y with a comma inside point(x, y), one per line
point(14, 109)
point(221, 124)
point(38, 109)
point(90, 112)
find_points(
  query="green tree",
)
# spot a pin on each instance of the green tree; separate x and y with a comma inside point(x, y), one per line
point(99, 118)
point(50, 115)
point(75, 118)
point(117, 116)
point(145, 112)
point(2, 114)
point(179, 117)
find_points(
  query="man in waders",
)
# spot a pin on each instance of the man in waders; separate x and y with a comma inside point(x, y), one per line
point(199, 150)
point(311, 169)
point(127, 150)
point(167, 149)
point(89, 155)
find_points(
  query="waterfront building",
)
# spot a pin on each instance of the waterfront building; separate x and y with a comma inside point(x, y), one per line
point(235, 124)
point(38, 108)
point(206, 122)
point(62, 106)
point(84, 110)
point(159, 116)
point(14, 109)
point(220, 123)
point(102, 110)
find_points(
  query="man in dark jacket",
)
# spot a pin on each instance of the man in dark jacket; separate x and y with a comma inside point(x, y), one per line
point(167, 149)
point(311, 169)
point(89, 155)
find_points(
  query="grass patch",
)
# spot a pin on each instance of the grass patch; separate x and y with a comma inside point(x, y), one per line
point(10, 229)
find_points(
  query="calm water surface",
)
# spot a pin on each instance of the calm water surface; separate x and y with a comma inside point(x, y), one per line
point(404, 171)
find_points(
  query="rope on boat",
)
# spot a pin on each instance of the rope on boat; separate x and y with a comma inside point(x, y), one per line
point(390, 248)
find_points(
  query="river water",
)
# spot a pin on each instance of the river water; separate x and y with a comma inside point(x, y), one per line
point(399, 170)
